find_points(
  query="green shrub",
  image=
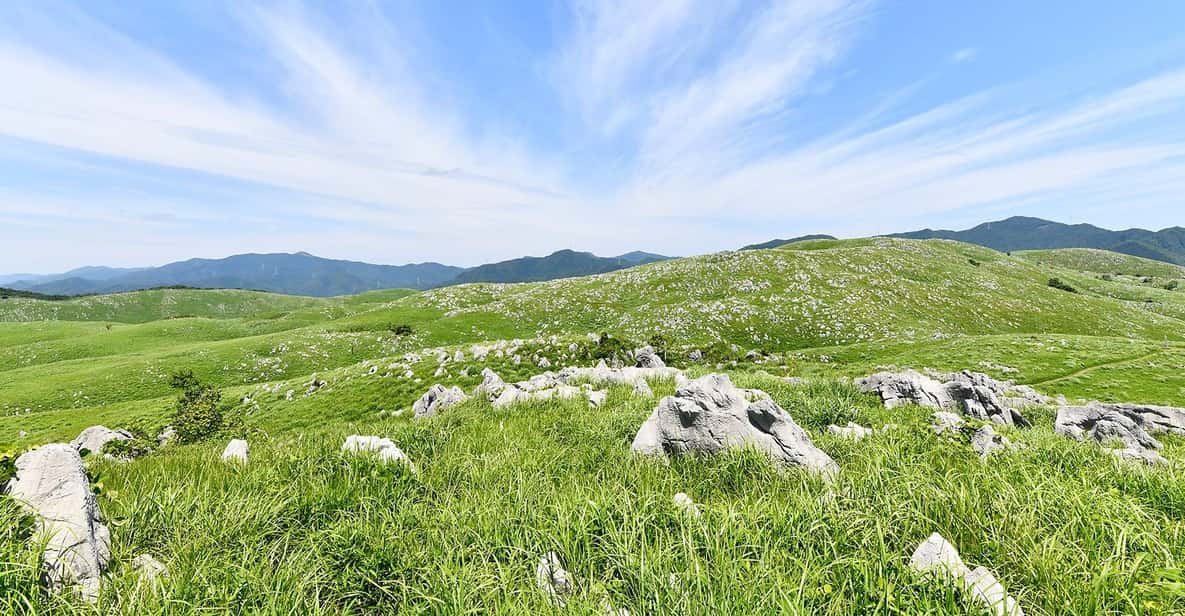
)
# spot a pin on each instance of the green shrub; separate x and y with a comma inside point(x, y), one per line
point(7, 467)
point(198, 415)
point(131, 448)
point(660, 344)
point(1171, 285)
point(1058, 284)
point(610, 348)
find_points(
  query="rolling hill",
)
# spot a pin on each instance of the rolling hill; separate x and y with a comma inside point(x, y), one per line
point(305, 528)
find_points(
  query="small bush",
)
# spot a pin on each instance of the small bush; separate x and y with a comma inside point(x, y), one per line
point(7, 467)
point(973, 262)
point(198, 415)
point(610, 348)
point(403, 329)
point(660, 344)
point(1107, 277)
point(132, 448)
point(1171, 285)
point(1058, 284)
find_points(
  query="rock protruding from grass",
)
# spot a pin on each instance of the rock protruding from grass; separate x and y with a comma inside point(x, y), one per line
point(383, 448)
point(436, 399)
point(491, 385)
point(51, 482)
point(1108, 424)
point(646, 357)
point(944, 422)
point(94, 438)
point(236, 451)
point(985, 442)
point(851, 431)
point(974, 394)
point(553, 579)
point(937, 557)
point(710, 415)
point(685, 504)
point(149, 570)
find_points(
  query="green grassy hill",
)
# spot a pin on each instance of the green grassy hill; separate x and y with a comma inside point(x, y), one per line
point(303, 529)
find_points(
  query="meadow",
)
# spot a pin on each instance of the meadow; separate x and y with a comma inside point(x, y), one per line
point(305, 529)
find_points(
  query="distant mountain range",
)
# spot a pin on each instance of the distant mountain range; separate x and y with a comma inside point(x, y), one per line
point(304, 274)
point(1025, 233)
point(776, 243)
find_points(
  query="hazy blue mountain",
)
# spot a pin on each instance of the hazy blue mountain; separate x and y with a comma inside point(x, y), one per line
point(776, 243)
point(1025, 233)
point(296, 274)
point(560, 264)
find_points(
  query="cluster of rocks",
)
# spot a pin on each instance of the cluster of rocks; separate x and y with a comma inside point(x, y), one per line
point(973, 394)
point(436, 399)
point(710, 415)
point(937, 558)
point(1130, 426)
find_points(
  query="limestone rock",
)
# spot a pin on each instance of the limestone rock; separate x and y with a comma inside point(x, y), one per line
point(384, 449)
point(544, 362)
point(985, 442)
point(909, 387)
point(709, 415)
point(236, 451)
point(553, 580)
point(642, 388)
point(937, 557)
point(596, 397)
point(852, 431)
point(149, 569)
point(166, 436)
point(971, 393)
point(51, 483)
point(94, 438)
point(684, 503)
point(944, 423)
point(1110, 423)
point(491, 385)
point(646, 357)
point(436, 399)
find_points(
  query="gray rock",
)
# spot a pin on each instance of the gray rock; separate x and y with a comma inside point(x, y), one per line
point(236, 451)
point(642, 388)
point(436, 399)
point(94, 438)
point(491, 385)
point(684, 503)
point(710, 415)
point(51, 483)
point(596, 397)
point(852, 431)
point(944, 423)
point(646, 357)
point(544, 362)
point(383, 448)
point(971, 393)
point(696, 355)
point(937, 558)
point(149, 569)
point(985, 442)
point(1109, 424)
point(166, 436)
point(553, 580)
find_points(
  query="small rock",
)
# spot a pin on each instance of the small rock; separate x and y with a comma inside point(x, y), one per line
point(1110, 424)
point(684, 503)
point(985, 442)
point(646, 357)
point(491, 385)
point(553, 580)
point(937, 557)
point(236, 451)
point(945, 422)
point(94, 438)
point(642, 388)
point(149, 569)
point(436, 399)
point(166, 436)
point(696, 355)
point(852, 431)
point(384, 448)
point(544, 362)
point(597, 398)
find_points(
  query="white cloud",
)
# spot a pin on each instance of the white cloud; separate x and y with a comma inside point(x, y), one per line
point(963, 55)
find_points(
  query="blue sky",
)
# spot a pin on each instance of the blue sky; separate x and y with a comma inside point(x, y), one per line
point(138, 133)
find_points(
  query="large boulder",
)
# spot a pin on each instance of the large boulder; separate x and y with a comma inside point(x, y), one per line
point(1110, 424)
point(51, 482)
point(436, 399)
point(94, 438)
point(971, 393)
point(937, 558)
point(709, 415)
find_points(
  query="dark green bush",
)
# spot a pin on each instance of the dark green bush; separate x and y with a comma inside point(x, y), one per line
point(132, 448)
point(199, 414)
point(1058, 284)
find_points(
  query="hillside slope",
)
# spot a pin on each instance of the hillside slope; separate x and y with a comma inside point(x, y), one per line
point(559, 264)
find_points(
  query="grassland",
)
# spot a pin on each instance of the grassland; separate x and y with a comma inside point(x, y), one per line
point(304, 529)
